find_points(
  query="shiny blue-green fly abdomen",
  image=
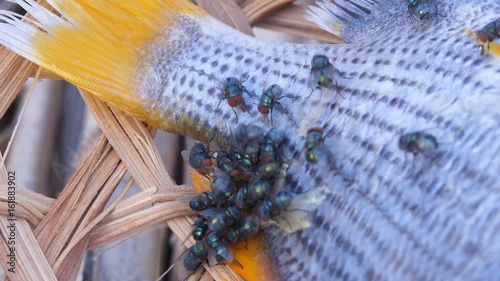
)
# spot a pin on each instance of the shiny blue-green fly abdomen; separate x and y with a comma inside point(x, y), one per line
point(200, 228)
point(421, 11)
point(321, 72)
point(418, 142)
point(196, 255)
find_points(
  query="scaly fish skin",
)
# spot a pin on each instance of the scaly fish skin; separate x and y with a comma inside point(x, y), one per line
point(390, 216)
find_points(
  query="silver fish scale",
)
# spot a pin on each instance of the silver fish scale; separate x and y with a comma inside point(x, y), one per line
point(390, 215)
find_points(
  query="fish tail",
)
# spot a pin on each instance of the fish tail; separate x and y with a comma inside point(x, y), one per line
point(337, 16)
point(96, 45)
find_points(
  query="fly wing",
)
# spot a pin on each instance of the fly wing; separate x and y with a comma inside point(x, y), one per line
point(225, 252)
point(212, 212)
point(212, 261)
point(312, 82)
point(185, 156)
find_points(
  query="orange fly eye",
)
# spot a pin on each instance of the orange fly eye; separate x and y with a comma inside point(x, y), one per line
point(207, 162)
point(232, 102)
point(235, 173)
point(482, 38)
point(268, 160)
point(247, 175)
point(263, 110)
point(316, 129)
point(239, 100)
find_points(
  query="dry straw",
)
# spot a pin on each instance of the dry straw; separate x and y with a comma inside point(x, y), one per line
point(54, 234)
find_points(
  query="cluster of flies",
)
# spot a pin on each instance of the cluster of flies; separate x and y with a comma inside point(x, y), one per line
point(245, 192)
point(321, 76)
point(245, 189)
point(246, 179)
point(246, 182)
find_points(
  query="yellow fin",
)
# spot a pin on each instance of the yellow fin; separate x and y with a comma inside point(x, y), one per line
point(96, 44)
point(200, 183)
point(256, 260)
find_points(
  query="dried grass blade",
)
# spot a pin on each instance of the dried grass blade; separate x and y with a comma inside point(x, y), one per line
point(45, 74)
point(32, 216)
point(98, 176)
point(132, 204)
point(30, 205)
point(291, 20)
point(31, 262)
point(127, 136)
point(14, 71)
point(86, 211)
point(258, 10)
point(206, 277)
point(146, 198)
point(228, 12)
point(88, 227)
point(4, 248)
point(134, 223)
point(21, 114)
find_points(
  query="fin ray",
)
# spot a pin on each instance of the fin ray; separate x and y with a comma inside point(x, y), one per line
point(332, 16)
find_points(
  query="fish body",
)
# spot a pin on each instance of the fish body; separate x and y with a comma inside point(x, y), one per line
point(436, 219)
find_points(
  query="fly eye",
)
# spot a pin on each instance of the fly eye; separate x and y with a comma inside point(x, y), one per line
point(232, 102)
point(482, 38)
point(207, 162)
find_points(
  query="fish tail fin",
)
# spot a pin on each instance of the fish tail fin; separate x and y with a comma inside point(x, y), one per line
point(334, 17)
point(96, 45)
point(200, 183)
